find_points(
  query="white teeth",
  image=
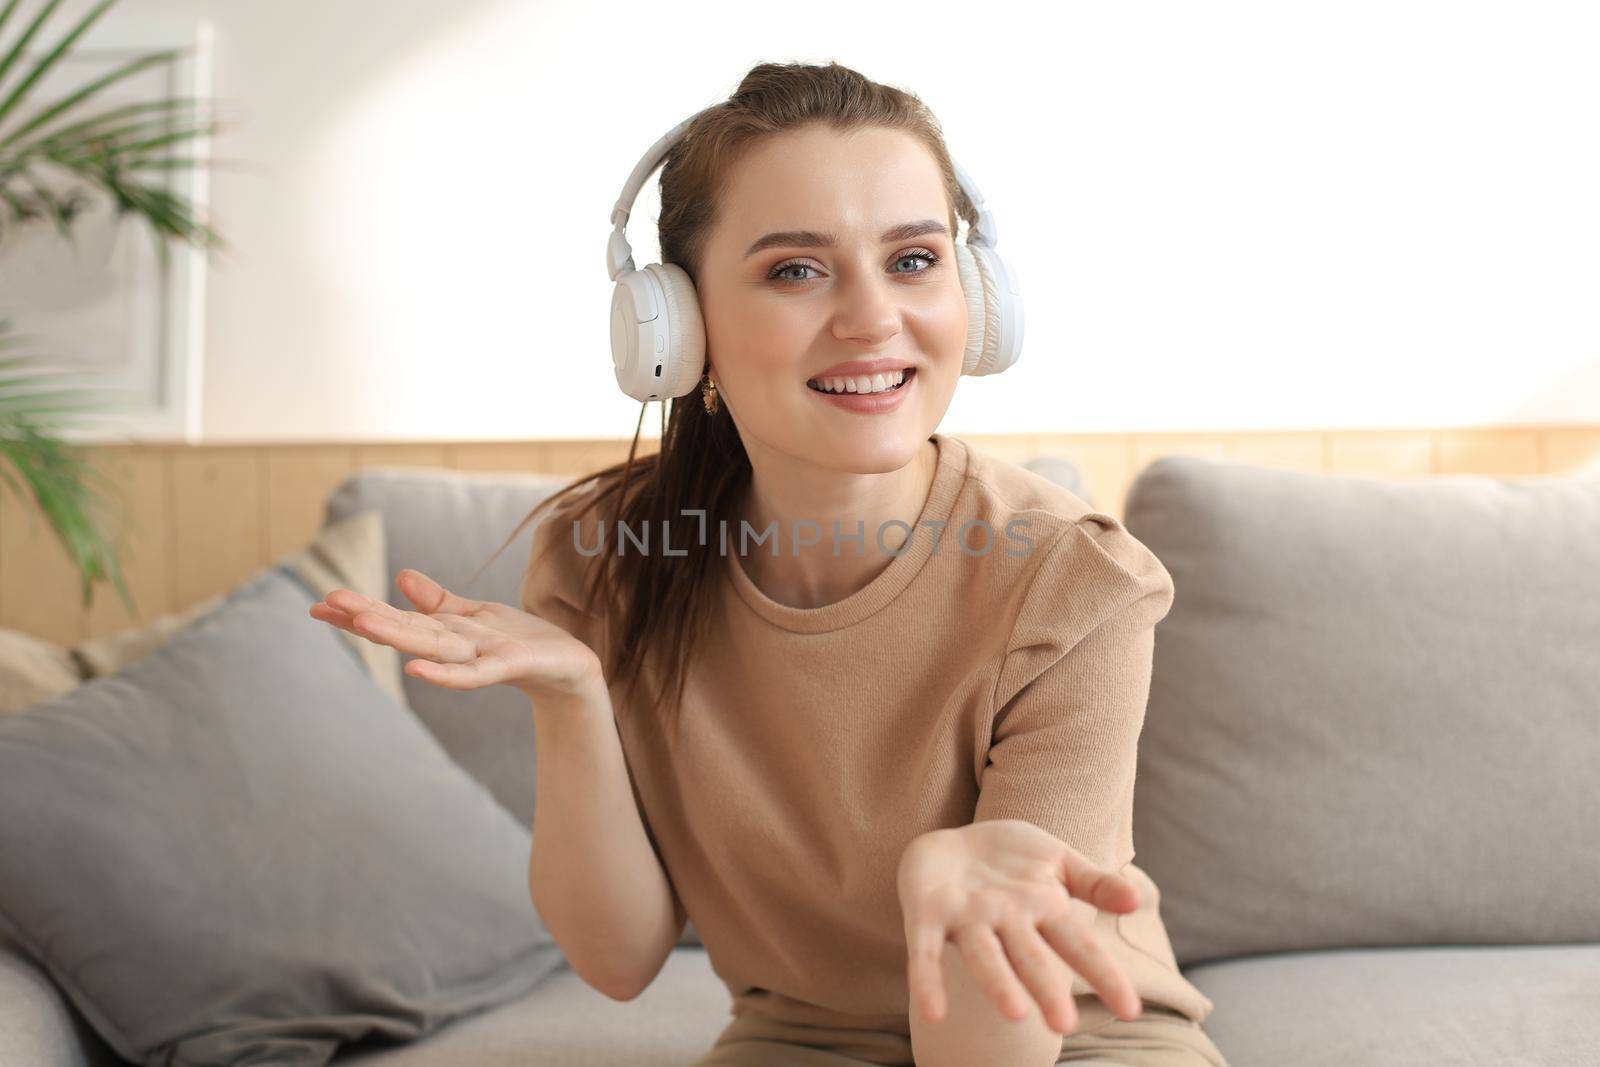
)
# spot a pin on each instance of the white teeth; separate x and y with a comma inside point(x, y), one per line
point(875, 383)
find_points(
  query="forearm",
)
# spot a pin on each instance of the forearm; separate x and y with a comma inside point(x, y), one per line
point(594, 879)
point(973, 1030)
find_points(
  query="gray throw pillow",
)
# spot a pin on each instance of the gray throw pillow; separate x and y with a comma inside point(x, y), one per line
point(1374, 716)
point(240, 849)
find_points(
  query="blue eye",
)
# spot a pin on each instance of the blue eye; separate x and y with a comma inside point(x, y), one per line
point(776, 273)
point(926, 256)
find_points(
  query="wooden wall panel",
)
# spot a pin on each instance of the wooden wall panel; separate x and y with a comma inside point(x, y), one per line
point(508, 456)
point(1016, 448)
point(1571, 450)
point(40, 589)
point(298, 481)
point(1301, 451)
point(218, 519)
point(1381, 453)
point(1104, 460)
point(1147, 448)
point(199, 519)
point(142, 532)
point(581, 457)
point(401, 455)
point(1502, 453)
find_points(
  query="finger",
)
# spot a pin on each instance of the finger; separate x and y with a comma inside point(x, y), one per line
point(1043, 972)
point(407, 631)
point(352, 603)
point(1105, 889)
point(986, 959)
point(345, 619)
point(1076, 943)
point(474, 675)
point(923, 948)
point(333, 616)
point(416, 635)
point(431, 597)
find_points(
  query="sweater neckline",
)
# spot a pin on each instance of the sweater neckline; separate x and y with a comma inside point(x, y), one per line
point(950, 474)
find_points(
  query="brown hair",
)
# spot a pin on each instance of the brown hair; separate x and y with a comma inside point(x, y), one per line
point(701, 463)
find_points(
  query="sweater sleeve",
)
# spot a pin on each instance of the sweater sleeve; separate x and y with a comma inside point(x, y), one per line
point(1070, 699)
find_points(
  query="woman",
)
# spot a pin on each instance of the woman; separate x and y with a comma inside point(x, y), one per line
point(891, 781)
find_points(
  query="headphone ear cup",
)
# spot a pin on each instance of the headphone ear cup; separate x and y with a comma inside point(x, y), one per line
point(994, 311)
point(972, 287)
point(686, 330)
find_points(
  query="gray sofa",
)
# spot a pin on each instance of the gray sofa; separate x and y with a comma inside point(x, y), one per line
point(1369, 783)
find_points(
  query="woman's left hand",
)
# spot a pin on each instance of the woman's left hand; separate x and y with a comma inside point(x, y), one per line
point(1002, 890)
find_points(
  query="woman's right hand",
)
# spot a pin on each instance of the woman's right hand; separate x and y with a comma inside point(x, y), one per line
point(467, 644)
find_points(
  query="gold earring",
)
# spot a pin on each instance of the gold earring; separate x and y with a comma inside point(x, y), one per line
point(708, 394)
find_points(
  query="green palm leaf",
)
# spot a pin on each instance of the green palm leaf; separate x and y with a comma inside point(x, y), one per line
point(117, 150)
point(60, 481)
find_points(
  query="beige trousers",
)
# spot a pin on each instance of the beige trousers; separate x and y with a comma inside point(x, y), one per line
point(1160, 1037)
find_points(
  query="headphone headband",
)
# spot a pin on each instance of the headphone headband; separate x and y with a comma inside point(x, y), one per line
point(619, 254)
point(658, 340)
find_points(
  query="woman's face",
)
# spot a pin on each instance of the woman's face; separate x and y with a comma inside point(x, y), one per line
point(783, 315)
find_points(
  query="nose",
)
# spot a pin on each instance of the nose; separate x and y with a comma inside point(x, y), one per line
point(867, 311)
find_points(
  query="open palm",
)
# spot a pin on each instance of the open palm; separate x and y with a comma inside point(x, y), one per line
point(466, 644)
point(1003, 891)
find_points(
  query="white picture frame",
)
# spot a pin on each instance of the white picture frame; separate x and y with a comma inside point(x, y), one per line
point(102, 305)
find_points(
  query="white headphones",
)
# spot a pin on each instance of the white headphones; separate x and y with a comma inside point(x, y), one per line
point(658, 340)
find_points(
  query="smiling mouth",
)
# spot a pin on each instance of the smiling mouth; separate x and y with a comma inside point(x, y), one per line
point(905, 380)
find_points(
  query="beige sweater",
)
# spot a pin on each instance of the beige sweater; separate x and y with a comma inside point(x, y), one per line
point(816, 743)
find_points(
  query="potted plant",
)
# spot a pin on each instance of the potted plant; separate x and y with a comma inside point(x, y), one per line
point(112, 150)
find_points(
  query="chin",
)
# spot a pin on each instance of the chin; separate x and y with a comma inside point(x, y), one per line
point(878, 450)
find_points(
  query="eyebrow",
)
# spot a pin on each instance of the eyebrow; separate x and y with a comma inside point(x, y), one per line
point(817, 239)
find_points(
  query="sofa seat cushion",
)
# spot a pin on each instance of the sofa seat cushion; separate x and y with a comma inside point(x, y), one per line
point(1532, 1005)
point(566, 1023)
point(38, 1024)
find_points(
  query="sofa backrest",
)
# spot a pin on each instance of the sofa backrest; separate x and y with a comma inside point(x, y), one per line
point(1374, 716)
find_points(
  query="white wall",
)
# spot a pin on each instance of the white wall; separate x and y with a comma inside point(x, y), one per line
point(1225, 215)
